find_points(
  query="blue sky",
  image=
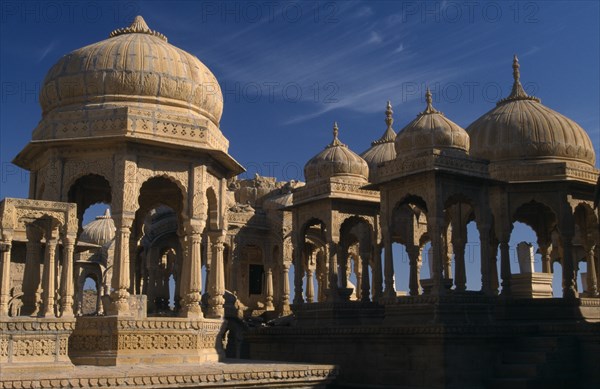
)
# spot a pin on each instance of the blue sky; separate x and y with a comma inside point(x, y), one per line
point(289, 69)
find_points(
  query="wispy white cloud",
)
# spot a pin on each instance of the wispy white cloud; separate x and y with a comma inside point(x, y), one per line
point(364, 12)
point(531, 51)
point(375, 38)
point(367, 60)
point(43, 52)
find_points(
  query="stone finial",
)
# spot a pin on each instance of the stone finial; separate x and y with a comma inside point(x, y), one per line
point(138, 26)
point(336, 141)
point(517, 92)
point(515, 66)
point(389, 135)
point(429, 109)
point(389, 120)
point(105, 216)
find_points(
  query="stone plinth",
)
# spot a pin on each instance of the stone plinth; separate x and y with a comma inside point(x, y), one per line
point(338, 313)
point(230, 374)
point(115, 341)
point(34, 344)
point(531, 285)
point(427, 284)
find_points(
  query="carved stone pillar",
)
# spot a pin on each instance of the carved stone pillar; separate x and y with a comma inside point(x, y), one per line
point(343, 266)
point(285, 286)
point(298, 272)
point(49, 278)
point(217, 285)
point(310, 287)
point(486, 259)
point(331, 251)
point(568, 266)
point(67, 286)
point(5, 246)
point(152, 269)
point(31, 275)
point(269, 289)
point(365, 287)
point(447, 257)
point(437, 243)
point(79, 298)
point(193, 267)
point(592, 282)
point(388, 267)
point(99, 307)
point(120, 276)
point(358, 272)
point(546, 260)
point(494, 266)
point(414, 257)
point(460, 275)
point(376, 270)
point(505, 266)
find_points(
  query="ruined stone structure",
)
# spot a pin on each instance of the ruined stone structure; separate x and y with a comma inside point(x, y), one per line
point(189, 257)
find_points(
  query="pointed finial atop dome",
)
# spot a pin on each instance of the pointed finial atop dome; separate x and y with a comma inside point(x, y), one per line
point(516, 74)
point(336, 141)
point(389, 120)
point(429, 110)
point(389, 135)
point(517, 93)
point(138, 26)
point(105, 216)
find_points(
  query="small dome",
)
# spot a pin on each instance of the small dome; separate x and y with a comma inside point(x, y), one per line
point(382, 150)
point(431, 130)
point(100, 231)
point(337, 160)
point(134, 65)
point(521, 128)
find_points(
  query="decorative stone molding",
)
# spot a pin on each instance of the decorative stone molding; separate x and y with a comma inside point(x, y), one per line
point(239, 375)
point(30, 344)
point(116, 341)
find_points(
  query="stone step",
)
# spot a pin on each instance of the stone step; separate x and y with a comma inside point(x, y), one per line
point(525, 383)
point(545, 343)
point(517, 371)
point(509, 383)
point(521, 357)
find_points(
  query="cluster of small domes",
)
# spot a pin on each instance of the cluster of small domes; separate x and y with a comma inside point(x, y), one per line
point(136, 65)
point(519, 128)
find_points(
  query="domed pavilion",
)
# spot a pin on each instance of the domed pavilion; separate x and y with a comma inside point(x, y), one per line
point(133, 122)
point(335, 227)
point(520, 162)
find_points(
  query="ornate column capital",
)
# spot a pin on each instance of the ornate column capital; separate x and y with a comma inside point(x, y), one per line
point(5, 245)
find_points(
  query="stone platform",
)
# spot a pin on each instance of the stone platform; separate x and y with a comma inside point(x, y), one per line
point(226, 374)
point(114, 341)
point(29, 344)
point(447, 342)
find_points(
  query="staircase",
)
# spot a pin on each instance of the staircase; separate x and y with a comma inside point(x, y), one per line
point(546, 362)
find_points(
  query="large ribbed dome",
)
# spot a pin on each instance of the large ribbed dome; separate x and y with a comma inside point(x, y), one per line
point(431, 130)
point(382, 150)
point(521, 128)
point(135, 65)
point(100, 231)
point(336, 160)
